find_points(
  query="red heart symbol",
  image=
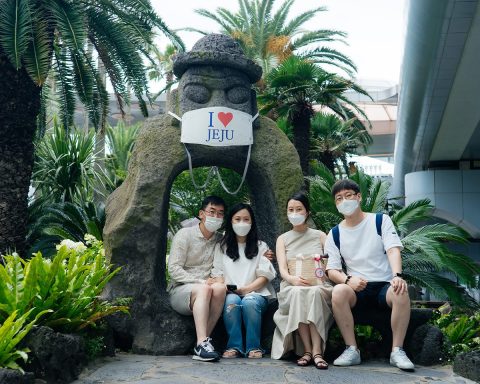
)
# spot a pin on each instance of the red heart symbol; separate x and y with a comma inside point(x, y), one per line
point(225, 118)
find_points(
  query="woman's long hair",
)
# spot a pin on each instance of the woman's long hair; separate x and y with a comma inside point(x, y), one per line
point(229, 241)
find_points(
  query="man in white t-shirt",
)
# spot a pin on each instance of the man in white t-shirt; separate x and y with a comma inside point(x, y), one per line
point(192, 290)
point(371, 276)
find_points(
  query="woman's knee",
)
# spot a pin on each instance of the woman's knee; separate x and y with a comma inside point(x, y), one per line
point(253, 303)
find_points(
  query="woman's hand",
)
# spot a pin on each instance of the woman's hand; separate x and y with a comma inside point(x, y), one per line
point(298, 280)
point(242, 291)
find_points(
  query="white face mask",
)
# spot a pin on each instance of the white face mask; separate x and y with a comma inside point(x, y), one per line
point(241, 229)
point(347, 207)
point(296, 218)
point(212, 223)
point(216, 126)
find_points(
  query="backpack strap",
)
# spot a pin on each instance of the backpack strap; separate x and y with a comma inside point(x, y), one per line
point(378, 223)
point(336, 239)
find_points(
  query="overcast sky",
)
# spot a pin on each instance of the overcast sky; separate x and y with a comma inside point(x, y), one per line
point(376, 28)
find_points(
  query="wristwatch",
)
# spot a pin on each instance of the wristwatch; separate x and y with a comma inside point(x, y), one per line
point(398, 275)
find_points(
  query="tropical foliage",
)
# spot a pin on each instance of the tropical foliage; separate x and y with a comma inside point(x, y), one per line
point(69, 285)
point(185, 198)
point(59, 40)
point(461, 331)
point(426, 257)
point(12, 331)
point(294, 87)
point(269, 37)
point(64, 168)
point(120, 141)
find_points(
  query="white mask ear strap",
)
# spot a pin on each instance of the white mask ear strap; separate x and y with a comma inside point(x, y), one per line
point(190, 168)
point(243, 176)
point(177, 117)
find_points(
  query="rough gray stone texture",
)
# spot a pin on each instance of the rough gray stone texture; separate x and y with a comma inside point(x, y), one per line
point(468, 365)
point(137, 216)
point(425, 345)
point(135, 233)
point(55, 357)
point(9, 376)
point(219, 50)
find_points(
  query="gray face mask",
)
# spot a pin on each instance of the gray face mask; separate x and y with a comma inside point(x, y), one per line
point(213, 223)
point(347, 207)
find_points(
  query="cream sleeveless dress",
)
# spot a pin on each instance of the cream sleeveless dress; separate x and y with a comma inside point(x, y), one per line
point(301, 304)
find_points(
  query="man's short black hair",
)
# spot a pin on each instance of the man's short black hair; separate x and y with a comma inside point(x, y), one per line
point(344, 185)
point(214, 200)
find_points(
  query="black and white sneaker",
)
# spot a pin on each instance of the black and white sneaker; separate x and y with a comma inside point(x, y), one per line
point(205, 351)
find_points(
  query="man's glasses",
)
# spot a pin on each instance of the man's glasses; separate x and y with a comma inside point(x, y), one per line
point(346, 196)
point(214, 213)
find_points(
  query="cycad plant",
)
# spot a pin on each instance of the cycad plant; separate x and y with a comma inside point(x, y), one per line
point(426, 257)
point(50, 39)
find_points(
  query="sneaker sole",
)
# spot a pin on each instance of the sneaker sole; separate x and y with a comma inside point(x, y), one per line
point(347, 365)
point(199, 358)
point(403, 369)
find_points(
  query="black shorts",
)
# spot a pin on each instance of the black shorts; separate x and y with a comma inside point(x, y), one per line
point(374, 295)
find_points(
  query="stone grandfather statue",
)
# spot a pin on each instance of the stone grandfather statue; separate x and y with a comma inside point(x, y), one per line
point(215, 81)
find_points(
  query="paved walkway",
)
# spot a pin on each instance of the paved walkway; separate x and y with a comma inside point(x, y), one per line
point(136, 369)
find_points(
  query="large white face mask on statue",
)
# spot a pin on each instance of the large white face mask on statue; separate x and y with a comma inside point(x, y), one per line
point(217, 126)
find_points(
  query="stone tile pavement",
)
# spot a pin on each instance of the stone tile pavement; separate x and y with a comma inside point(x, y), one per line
point(136, 369)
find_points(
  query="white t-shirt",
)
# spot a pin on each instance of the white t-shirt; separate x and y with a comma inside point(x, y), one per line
point(363, 250)
point(243, 271)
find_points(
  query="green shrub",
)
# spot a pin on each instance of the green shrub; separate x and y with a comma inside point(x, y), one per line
point(461, 332)
point(12, 331)
point(69, 284)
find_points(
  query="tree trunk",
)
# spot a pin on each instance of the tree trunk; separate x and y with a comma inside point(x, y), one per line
point(99, 194)
point(20, 105)
point(301, 127)
point(328, 160)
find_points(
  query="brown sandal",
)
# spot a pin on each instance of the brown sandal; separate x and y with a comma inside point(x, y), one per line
point(305, 360)
point(319, 362)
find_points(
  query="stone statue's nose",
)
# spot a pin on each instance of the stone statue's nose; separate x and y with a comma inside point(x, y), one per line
point(217, 98)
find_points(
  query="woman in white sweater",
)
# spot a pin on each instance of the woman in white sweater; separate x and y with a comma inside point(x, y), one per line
point(247, 273)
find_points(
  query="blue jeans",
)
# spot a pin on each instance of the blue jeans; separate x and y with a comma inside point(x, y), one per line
point(250, 309)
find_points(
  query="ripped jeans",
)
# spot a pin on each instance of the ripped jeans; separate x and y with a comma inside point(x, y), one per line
point(248, 309)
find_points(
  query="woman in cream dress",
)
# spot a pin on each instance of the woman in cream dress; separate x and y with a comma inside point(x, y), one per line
point(304, 314)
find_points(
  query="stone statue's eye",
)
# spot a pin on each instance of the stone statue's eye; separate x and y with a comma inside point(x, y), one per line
point(238, 95)
point(197, 93)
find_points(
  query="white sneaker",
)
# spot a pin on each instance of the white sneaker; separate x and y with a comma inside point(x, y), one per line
point(400, 359)
point(350, 356)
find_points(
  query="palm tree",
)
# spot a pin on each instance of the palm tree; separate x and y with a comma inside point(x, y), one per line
point(41, 39)
point(268, 38)
point(162, 67)
point(332, 139)
point(294, 87)
point(426, 257)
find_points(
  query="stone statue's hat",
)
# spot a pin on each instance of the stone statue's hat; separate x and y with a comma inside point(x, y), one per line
point(217, 49)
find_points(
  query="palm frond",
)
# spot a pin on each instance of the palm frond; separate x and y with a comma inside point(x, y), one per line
point(15, 23)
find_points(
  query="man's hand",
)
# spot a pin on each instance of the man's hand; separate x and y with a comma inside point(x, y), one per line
point(299, 280)
point(357, 283)
point(269, 254)
point(399, 285)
